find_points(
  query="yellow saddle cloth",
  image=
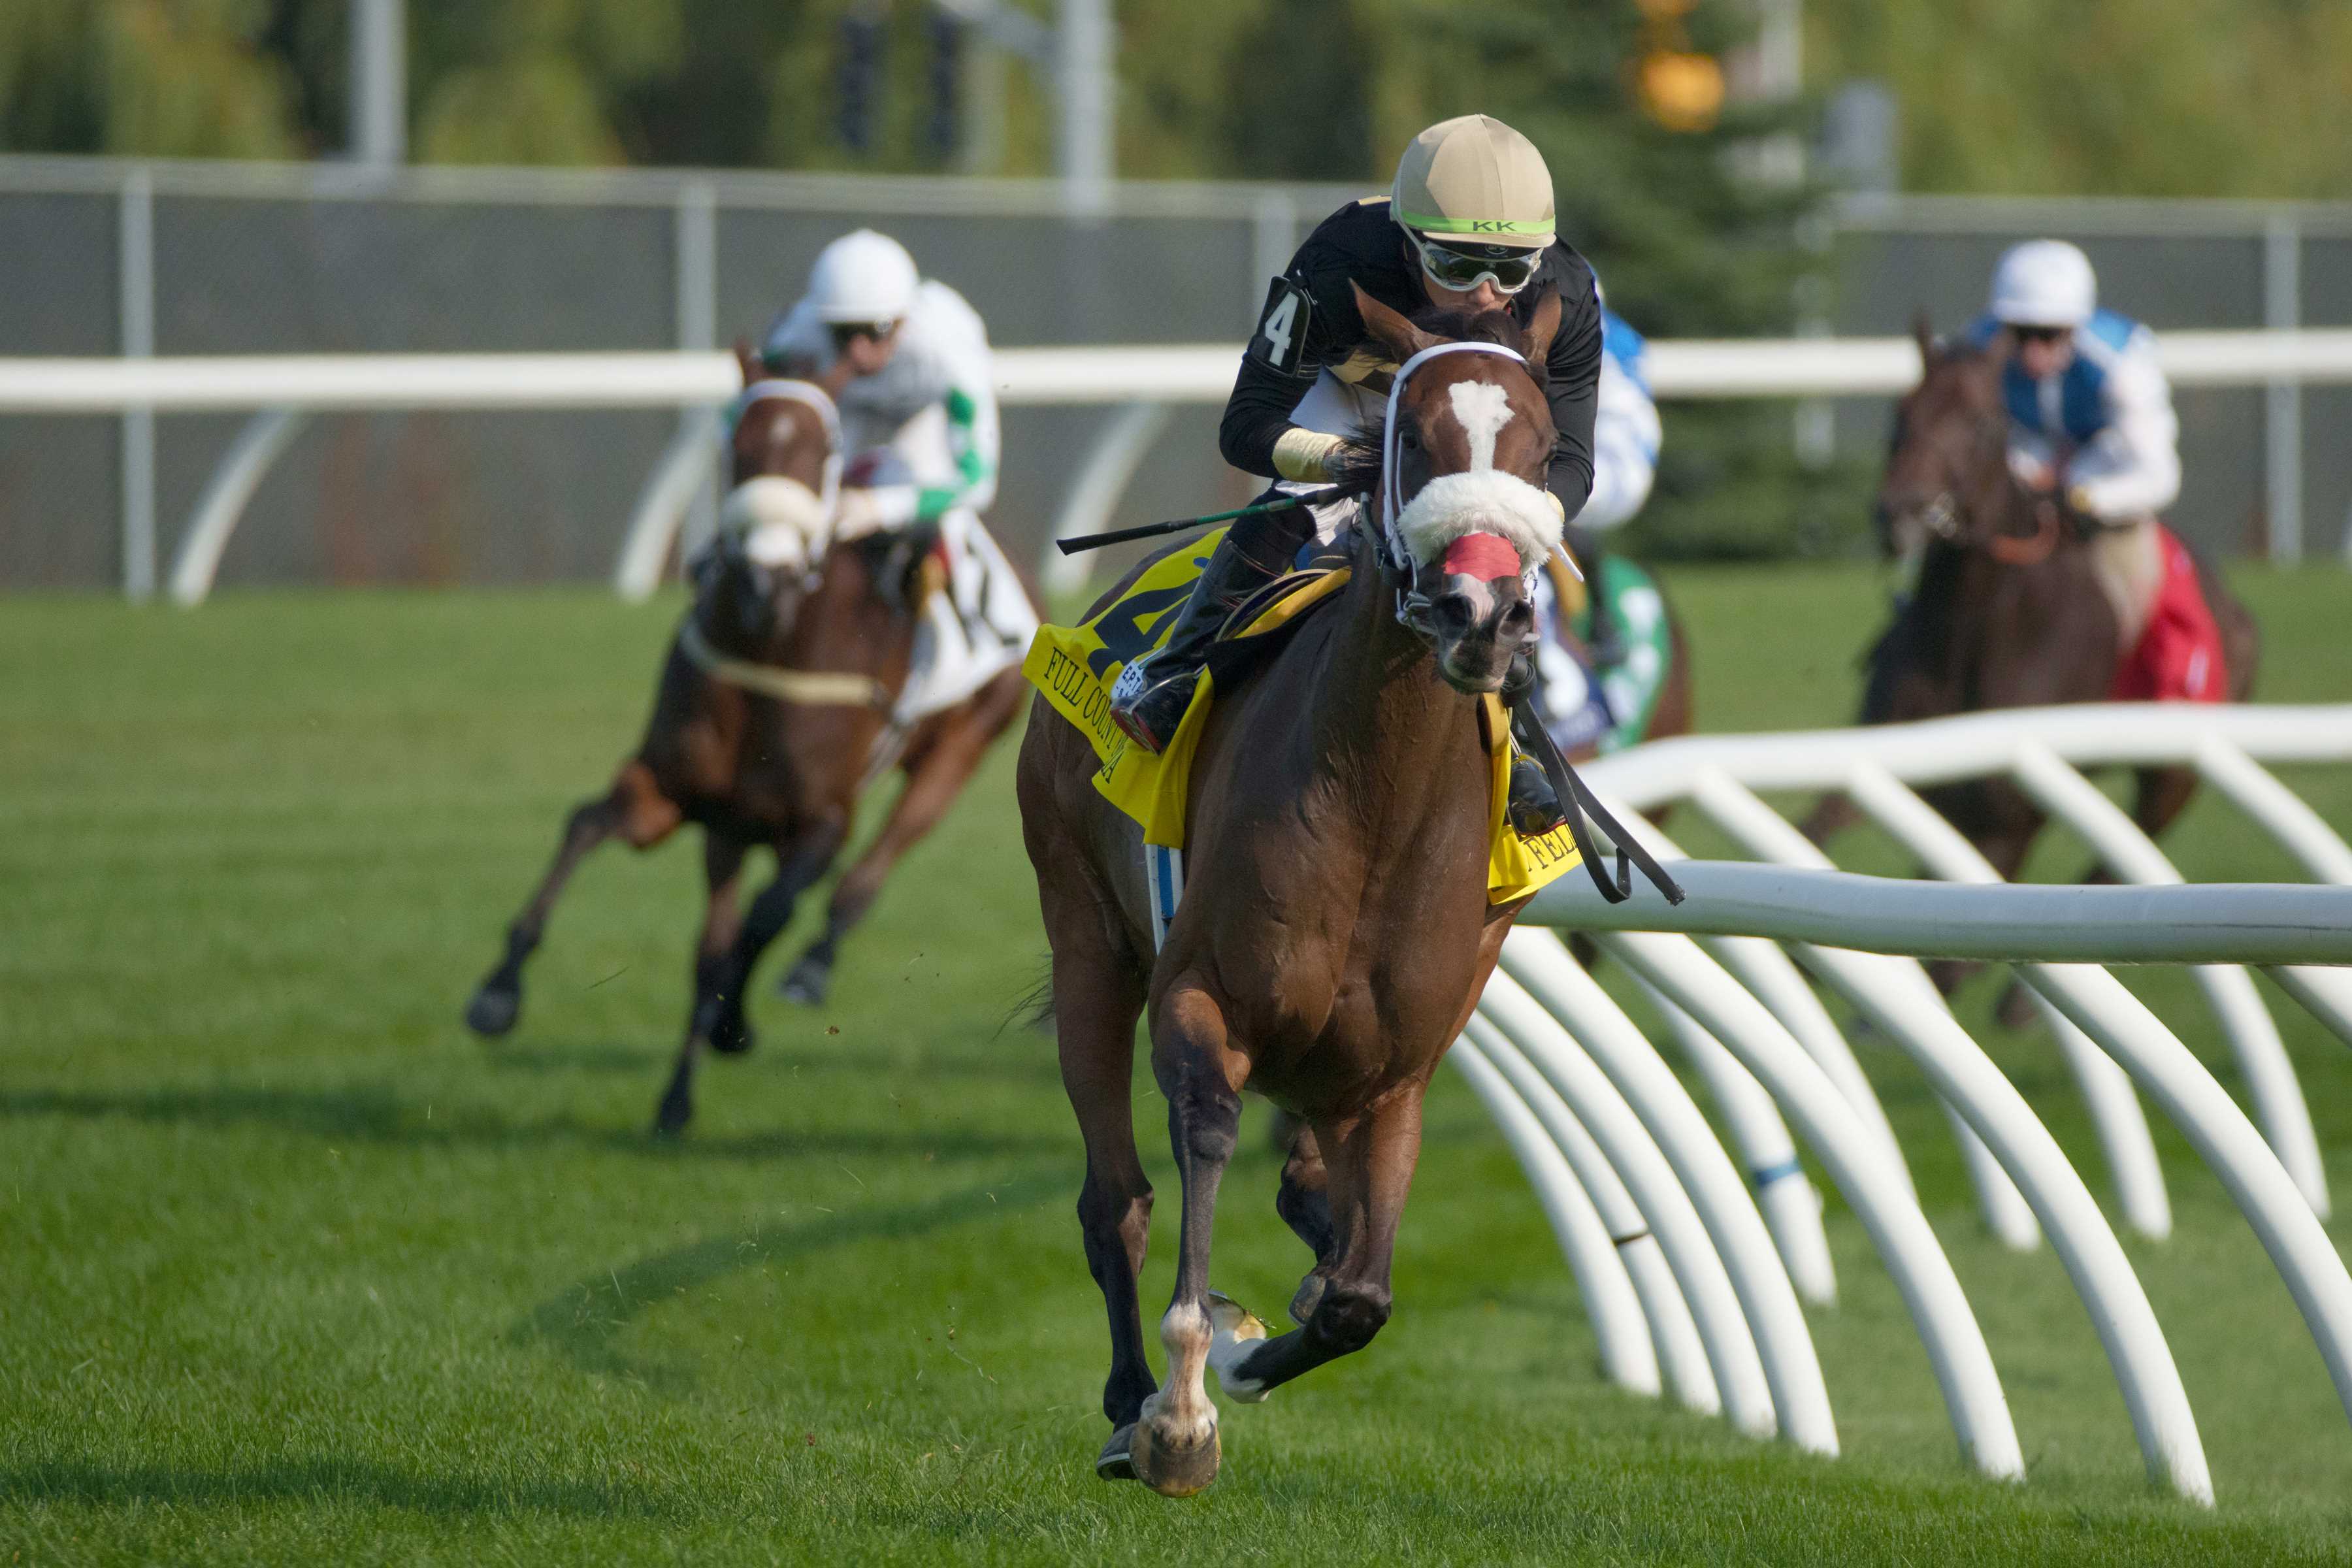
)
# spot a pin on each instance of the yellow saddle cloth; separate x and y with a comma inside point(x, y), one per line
point(1075, 666)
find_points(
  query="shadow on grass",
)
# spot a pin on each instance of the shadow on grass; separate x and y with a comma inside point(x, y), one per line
point(320, 1478)
point(377, 1113)
point(583, 1321)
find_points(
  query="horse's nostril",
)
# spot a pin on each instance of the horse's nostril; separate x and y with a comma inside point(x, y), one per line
point(1453, 613)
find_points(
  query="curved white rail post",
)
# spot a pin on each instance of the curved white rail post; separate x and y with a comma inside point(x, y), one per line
point(227, 494)
point(1619, 1327)
point(684, 466)
point(2290, 1232)
point(1792, 1208)
point(1760, 965)
point(1668, 1331)
point(1095, 493)
point(1897, 997)
point(1931, 1292)
point(1537, 960)
point(1699, 1270)
point(1764, 833)
point(2114, 1109)
point(2133, 857)
point(2325, 993)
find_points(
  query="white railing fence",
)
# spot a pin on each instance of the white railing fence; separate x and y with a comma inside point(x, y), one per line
point(1691, 1275)
point(1147, 380)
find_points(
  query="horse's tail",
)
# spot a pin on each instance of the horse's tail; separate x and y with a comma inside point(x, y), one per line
point(1034, 1008)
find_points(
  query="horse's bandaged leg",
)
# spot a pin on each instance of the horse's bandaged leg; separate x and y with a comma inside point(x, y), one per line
point(1163, 874)
point(2129, 559)
point(1236, 1332)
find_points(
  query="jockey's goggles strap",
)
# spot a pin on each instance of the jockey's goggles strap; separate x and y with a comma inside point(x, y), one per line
point(808, 394)
point(1392, 504)
point(1461, 271)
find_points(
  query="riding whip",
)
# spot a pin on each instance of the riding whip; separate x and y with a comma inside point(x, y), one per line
point(1178, 525)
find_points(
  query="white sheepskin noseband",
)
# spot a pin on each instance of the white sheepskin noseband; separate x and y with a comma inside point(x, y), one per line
point(1484, 500)
point(782, 520)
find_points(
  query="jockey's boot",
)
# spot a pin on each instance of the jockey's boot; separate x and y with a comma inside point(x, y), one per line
point(1152, 693)
point(1605, 639)
point(1533, 808)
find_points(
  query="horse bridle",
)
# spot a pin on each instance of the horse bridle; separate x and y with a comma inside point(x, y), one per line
point(1577, 800)
point(1941, 518)
point(819, 687)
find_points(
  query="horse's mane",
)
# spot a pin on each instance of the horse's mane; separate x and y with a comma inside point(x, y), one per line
point(1358, 468)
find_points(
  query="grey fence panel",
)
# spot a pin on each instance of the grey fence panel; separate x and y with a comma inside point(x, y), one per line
point(314, 258)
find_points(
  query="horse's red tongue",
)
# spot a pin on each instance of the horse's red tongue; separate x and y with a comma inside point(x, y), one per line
point(1485, 556)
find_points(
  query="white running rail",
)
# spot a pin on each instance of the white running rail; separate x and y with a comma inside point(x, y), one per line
point(1718, 967)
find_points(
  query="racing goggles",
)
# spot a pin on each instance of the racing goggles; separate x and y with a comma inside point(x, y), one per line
point(1508, 268)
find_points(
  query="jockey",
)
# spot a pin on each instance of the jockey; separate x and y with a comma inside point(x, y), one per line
point(907, 360)
point(1625, 438)
point(2090, 414)
point(1469, 225)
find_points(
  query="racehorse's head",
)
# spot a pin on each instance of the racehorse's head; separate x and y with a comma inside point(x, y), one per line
point(1469, 437)
point(1947, 469)
point(776, 523)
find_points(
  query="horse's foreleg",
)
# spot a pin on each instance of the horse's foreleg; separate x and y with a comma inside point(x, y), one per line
point(800, 862)
point(1372, 1163)
point(723, 921)
point(934, 778)
point(1175, 1445)
point(633, 807)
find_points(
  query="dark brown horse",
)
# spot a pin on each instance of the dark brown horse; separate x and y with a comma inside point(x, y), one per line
point(2006, 611)
point(772, 711)
point(1334, 932)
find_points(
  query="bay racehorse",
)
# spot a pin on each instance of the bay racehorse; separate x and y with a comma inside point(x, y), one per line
point(1334, 932)
point(2005, 611)
point(774, 711)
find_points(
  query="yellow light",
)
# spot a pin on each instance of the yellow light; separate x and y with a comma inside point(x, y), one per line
point(1681, 91)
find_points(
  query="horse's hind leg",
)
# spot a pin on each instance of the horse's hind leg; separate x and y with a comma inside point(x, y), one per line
point(1096, 996)
point(634, 808)
point(1176, 1441)
point(935, 776)
point(1372, 1163)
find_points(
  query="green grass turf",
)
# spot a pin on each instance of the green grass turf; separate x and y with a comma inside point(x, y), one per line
point(296, 1271)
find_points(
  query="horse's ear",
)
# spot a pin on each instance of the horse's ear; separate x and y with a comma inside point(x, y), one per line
point(1543, 326)
point(1390, 329)
point(1923, 332)
point(748, 359)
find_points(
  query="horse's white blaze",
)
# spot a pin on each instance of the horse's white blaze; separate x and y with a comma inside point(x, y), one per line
point(1484, 408)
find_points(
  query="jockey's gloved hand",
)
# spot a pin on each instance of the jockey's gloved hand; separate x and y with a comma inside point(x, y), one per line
point(1533, 808)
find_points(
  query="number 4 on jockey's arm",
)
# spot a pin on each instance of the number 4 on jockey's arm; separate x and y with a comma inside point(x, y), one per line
point(1468, 226)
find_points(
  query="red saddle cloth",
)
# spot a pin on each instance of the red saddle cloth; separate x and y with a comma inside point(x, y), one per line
point(2178, 659)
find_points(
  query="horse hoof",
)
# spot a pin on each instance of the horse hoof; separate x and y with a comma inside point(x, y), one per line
point(1117, 1460)
point(730, 1033)
point(1176, 1468)
point(807, 983)
point(1236, 1333)
point(1310, 1297)
point(671, 1118)
point(493, 1011)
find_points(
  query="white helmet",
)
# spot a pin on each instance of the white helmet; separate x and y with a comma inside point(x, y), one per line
point(2044, 283)
point(863, 277)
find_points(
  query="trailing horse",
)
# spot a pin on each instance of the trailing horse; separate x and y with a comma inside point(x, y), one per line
point(775, 710)
point(2006, 610)
point(1335, 927)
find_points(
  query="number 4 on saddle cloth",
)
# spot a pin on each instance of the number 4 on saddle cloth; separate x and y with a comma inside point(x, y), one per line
point(1075, 666)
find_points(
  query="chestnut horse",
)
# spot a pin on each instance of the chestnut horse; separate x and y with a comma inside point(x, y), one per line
point(2005, 612)
point(1335, 932)
point(773, 712)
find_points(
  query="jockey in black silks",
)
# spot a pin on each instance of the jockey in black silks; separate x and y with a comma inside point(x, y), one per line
point(1469, 225)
